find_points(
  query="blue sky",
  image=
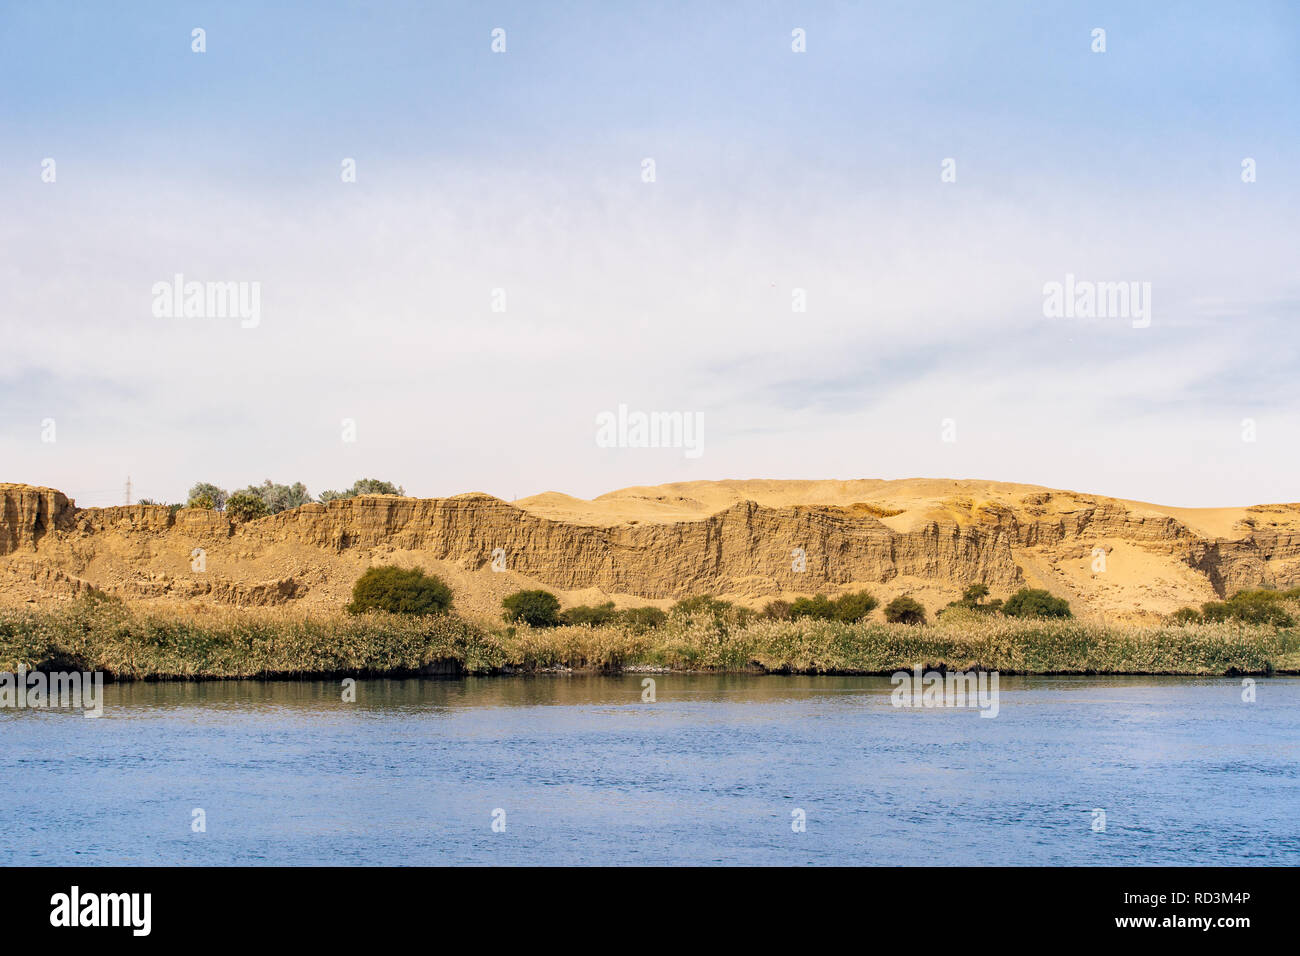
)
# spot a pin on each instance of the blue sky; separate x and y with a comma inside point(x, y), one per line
point(775, 171)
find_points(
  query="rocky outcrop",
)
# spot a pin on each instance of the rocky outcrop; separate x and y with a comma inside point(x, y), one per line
point(745, 550)
point(28, 514)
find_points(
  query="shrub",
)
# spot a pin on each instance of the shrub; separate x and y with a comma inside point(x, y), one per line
point(904, 610)
point(246, 507)
point(399, 591)
point(777, 610)
point(819, 608)
point(206, 489)
point(702, 604)
point(973, 594)
point(1252, 607)
point(854, 607)
point(1035, 602)
point(640, 619)
point(1215, 611)
point(363, 486)
point(1186, 615)
point(535, 608)
point(202, 501)
point(590, 616)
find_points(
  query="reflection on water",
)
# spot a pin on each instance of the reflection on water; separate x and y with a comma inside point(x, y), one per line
point(711, 771)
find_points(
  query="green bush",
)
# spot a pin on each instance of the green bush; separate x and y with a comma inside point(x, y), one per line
point(1252, 607)
point(203, 502)
point(1035, 602)
point(399, 591)
point(904, 610)
point(363, 486)
point(641, 619)
point(535, 608)
point(818, 607)
point(246, 507)
point(590, 616)
point(777, 610)
point(1186, 615)
point(855, 606)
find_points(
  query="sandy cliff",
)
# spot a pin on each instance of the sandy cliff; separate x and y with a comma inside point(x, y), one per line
point(740, 539)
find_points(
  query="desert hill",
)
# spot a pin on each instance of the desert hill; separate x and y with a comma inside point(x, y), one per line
point(739, 539)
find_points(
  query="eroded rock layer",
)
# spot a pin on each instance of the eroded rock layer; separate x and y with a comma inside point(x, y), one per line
point(750, 541)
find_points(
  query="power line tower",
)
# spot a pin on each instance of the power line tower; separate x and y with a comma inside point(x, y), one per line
point(128, 489)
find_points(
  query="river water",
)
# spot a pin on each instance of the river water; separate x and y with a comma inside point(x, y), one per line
point(717, 769)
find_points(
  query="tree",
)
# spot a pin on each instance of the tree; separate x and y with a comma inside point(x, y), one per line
point(1035, 602)
point(214, 494)
point(536, 608)
point(399, 591)
point(1187, 615)
point(243, 506)
point(973, 594)
point(904, 610)
point(363, 486)
point(202, 502)
point(279, 498)
point(854, 606)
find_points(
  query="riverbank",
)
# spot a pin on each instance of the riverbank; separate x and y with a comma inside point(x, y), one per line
point(134, 644)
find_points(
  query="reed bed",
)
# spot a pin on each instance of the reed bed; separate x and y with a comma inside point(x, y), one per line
point(137, 643)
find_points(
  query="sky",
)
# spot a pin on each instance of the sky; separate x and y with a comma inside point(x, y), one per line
point(503, 271)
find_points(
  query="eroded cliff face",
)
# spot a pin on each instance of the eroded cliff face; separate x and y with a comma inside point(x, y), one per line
point(1110, 558)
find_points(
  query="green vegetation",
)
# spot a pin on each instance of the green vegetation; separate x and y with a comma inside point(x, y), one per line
point(854, 606)
point(847, 607)
point(363, 486)
point(276, 498)
point(245, 507)
point(399, 591)
point(128, 643)
point(1035, 602)
point(972, 599)
point(204, 491)
point(638, 620)
point(586, 616)
point(818, 607)
point(706, 604)
point(904, 610)
point(534, 608)
point(1259, 606)
point(777, 610)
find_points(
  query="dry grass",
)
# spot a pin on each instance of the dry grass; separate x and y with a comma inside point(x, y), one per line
point(230, 643)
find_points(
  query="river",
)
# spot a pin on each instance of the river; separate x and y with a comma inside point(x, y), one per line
point(564, 769)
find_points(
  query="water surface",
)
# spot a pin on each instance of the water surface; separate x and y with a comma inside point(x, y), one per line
point(711, 772)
